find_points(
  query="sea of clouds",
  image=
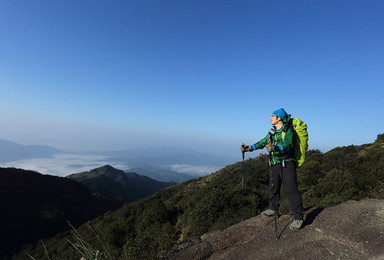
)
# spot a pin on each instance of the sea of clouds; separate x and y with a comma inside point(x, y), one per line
point(65, 164)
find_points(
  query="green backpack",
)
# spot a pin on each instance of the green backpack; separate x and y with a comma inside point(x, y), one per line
point(300, 142)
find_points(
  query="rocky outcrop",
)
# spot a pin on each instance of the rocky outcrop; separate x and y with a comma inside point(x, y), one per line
point(351, 230)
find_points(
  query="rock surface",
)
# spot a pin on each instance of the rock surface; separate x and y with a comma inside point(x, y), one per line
point(351, 230)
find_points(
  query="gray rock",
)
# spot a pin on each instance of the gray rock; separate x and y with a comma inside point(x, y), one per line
point(351, 230)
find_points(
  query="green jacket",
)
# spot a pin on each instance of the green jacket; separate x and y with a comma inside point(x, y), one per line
point(283, 140)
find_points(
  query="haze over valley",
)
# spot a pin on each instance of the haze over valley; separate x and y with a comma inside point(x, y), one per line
point(181, 164)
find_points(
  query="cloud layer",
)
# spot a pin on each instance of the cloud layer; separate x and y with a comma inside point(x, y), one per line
point(65, 164)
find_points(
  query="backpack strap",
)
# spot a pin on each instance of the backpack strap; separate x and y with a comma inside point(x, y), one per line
point(286, 127)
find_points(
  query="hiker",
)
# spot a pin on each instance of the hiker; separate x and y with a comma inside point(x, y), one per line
point(283, 166)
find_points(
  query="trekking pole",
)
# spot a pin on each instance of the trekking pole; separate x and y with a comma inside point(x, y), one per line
point(242, 184)
point(270, 165)
point(270, 142)
point(242, 178)
point(277, 236)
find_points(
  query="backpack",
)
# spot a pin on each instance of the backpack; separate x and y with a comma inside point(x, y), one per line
point(300, 142)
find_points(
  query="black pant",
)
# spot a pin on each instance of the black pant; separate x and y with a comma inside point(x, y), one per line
point(285, 175)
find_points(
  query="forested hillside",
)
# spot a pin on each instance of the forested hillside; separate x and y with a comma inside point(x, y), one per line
point(35, 206)
point(146, 228)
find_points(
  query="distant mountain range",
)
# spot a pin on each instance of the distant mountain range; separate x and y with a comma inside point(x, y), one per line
point(10, 151)
point(108, 182)
point(162, 156)
point(156, 156)
point(160, 174)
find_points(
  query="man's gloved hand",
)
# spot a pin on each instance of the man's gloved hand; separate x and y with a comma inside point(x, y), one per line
point(272, 148)
point(246, 148)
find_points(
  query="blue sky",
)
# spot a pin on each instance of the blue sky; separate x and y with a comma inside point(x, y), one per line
point(117, 75)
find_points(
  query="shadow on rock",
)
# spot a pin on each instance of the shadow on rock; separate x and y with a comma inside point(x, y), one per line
point(311, 214)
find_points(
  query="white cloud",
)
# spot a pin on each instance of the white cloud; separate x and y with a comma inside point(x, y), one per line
point(193, 170)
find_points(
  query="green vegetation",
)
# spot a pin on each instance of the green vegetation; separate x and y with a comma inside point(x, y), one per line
point(344, 173)
point(146, 228)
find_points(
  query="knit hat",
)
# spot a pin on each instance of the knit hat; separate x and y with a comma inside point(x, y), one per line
point(280, 113)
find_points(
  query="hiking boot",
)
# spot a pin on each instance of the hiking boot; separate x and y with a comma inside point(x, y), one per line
point(269, 213)
point(296, 224)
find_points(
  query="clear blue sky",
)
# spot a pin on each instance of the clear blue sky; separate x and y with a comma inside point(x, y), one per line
point(116, 75)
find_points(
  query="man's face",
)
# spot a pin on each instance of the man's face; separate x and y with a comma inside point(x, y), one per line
point(274, 119)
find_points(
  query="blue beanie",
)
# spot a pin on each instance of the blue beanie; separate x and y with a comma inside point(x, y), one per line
point(280, 113)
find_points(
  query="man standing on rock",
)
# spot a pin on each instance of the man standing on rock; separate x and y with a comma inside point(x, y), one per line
point(279, 143)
